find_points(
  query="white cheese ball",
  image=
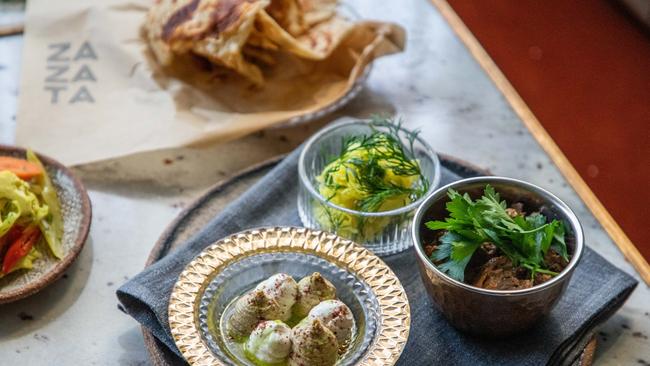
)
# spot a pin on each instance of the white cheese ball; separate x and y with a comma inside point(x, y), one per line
point(311, 291)
point(335, 316)
point(270, 342)
point(284, 290)
point(313, 345)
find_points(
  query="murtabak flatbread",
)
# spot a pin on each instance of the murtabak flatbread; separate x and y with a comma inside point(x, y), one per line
point(246, 36)
point(215, 29)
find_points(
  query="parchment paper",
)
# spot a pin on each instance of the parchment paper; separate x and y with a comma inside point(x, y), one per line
point(91, 90)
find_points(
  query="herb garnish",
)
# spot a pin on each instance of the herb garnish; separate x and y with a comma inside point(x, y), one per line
point(525, 240)
point(373, 172)
point(381, 151)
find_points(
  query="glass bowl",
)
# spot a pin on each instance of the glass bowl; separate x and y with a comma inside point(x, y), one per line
point(201, 299)
point(384, 232)
point(216, 304)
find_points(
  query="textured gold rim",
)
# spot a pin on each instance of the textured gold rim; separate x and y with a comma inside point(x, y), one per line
point(395, 315)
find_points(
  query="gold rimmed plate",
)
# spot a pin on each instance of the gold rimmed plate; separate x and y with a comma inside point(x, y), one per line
point(76, 211)
point(363, 281)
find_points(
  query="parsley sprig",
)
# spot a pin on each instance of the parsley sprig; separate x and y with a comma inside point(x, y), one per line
point(525, 240)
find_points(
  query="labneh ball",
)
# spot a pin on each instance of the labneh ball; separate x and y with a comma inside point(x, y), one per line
point(311, 291)
point(336, 316)
point(313, 344)
point(249, 310)
point(270, 342)
point(284, 290)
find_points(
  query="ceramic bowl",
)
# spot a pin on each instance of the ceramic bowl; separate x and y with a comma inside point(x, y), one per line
point(76, 210)
point(492, 312)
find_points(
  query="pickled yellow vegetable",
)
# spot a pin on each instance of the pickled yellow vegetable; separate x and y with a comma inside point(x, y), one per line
point(373, 173)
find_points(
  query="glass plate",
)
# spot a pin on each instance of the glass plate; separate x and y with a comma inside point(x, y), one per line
point(233, 265)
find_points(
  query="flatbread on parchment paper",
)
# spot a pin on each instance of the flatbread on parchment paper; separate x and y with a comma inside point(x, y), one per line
point(221, 30)
point(119, 91)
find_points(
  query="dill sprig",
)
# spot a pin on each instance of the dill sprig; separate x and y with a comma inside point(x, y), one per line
point(384, 151)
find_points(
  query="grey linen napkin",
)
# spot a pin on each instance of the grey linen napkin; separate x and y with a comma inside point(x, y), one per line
point(596, 291)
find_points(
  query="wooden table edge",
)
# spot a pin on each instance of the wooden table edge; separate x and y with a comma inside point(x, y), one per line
point(11, 29)
point(531, 122)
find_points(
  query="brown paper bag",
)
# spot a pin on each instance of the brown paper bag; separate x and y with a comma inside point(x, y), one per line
point(91, 90)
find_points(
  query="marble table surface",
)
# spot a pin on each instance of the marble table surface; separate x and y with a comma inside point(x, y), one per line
point(434, 85)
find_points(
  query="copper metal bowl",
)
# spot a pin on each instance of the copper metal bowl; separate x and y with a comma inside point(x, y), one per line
point(492, 312)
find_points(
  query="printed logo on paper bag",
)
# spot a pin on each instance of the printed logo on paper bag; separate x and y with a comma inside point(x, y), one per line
point(70, 76)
